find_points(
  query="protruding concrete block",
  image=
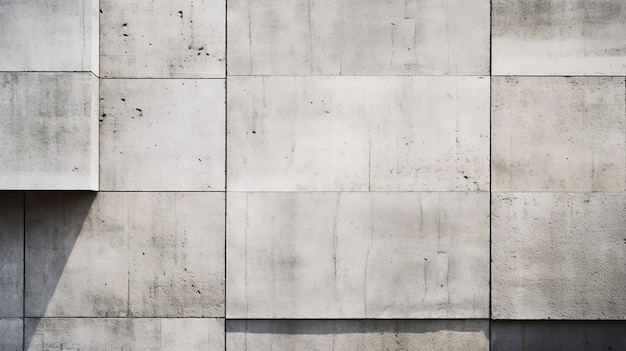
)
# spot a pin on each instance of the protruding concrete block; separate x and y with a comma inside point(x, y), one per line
point(60, 35)
point(558, 256)
point(163, 39)
point(158, 334)
point(358, 255)
point(48, 131)
point(162, 134)
point(364, 335)
point(358, 133)
point(558, 134)
point(355, 37)
point(124, 255)
point(548, 37)
point(11, 336)
point(557, 335)
point(11, 256)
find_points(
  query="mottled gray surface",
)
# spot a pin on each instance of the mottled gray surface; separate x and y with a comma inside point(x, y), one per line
point(355, 37)
point(11, 255)
point(361, 335)
point(558, 134)
point(558, 256)
point(358, 133)
point(48, 131)
point(11, 336)
point(356, 255)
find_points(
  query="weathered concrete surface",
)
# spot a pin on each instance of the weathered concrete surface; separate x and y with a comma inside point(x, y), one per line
point(558, 134)
point(60, 35)
point(162, 134)
point(11, 255)
point(125, 254)
point(357, 255)
point(48, 131)
point(558, 335)
point(163, 39)
point(136, 334)
point(539, 37)
point(11, 336)
point(558, 256)
point(358, 133)
point(355, 37)
point(363, 335)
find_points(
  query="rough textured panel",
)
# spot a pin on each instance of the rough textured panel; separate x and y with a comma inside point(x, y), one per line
point(557, 335)
point(558, 134)
point(125, 254)
point(104, 334)
point(559, 256)
point(358, 133)
point(162, 39)
point(11, 255)
point(355, 37)
point(353, 255)
point(48, 131)
point(11, 334)
point(357, 335)
point(162, 134)
point(539, 37)
point(60, 35)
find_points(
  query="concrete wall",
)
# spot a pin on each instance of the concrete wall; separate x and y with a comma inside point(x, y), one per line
point(312, 175)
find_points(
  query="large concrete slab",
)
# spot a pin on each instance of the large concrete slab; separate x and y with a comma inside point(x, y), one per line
point(558, 256)
point(357, 255)
point(48, 131)
point(355, 37)
point(558, 134)
point(358, 133)
point(162, 39)
point(364, 335)
point(11, 255)
point(11, 334)
point(549, 37)
point(137, 334)
point(124, 254)
point(59, 35)
point(162, 134)
point(557, 335)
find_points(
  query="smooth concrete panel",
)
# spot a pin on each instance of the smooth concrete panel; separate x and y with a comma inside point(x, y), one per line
point(162, 134)
point(124, 255)
point(363, 335)
point(48, 131)
point(357, 255)
point(162, 39)
point(558, 256)
point(11, 255)
point(134, 334)
point(558, 134)
point(60, 35)
point(355, 37)
point(358, 133)
point(11, 334)
point(548, 37)
point(558, 335)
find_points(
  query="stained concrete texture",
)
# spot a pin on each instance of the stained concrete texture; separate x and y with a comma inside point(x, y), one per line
point(539, 37)
point(362, 335)
point(354, 37)
point(162, 134)
point(358, 133)
point(558, 134)
point(48, 131)
point(106, 256)
point(137, 334)
point(558, 256)
point(11, 256)
point(558, 335)
point(357, 255)
point(11, 336)
point(59, 35)
point(162, 39)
